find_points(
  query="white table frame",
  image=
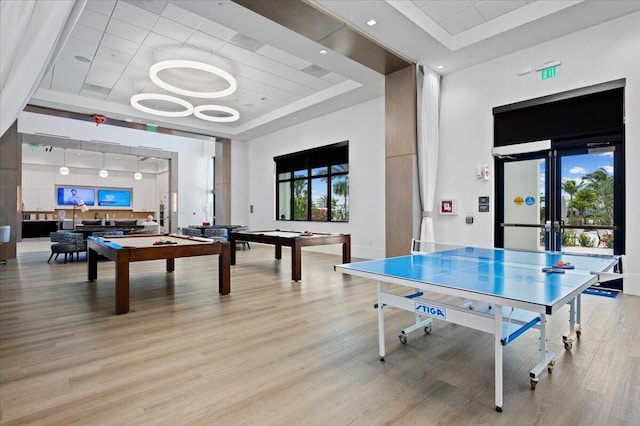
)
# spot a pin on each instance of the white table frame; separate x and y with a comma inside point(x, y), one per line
point(483, 321)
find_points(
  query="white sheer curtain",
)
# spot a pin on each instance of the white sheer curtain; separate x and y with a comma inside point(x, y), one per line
point(428, 139)
point(32, 34)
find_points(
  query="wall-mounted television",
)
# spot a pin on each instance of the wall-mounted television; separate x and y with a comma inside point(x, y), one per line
point(114, 197)
point(70, 195)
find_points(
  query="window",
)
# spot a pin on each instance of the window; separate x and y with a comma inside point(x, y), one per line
point(313, 185)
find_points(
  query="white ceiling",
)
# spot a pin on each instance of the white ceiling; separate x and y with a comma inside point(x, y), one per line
point(282, 78)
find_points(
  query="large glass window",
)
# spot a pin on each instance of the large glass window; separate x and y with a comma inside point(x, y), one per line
point(313, 185)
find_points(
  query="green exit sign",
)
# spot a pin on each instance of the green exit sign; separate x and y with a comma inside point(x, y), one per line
point(548, 73)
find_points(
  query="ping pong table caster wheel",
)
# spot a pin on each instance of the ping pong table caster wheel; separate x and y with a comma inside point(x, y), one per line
point(534, 382)
point(578, 333)
point(427, 329)
point(550, 365)
point(568, 345)
point(403, 338)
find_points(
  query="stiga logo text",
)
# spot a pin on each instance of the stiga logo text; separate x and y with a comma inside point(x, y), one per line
point(432, 311)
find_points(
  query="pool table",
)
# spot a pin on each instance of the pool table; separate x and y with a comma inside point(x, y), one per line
point(134, 248)
point(294, 239)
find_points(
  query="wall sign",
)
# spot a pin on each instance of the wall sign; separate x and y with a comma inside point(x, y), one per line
point(449, 207)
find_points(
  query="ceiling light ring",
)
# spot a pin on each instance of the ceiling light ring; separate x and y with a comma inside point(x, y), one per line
point(135, 102)
point(177, 63)
point(198, 112)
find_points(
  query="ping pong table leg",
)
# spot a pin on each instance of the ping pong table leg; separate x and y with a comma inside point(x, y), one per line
point(498, 356)
point(547, 358)
point(574, 323)
point(381, 347)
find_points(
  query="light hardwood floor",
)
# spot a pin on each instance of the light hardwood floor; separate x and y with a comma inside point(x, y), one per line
point(275, 352)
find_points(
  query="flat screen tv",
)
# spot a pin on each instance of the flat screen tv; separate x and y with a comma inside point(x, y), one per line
point(70, 195)
point(114, 198)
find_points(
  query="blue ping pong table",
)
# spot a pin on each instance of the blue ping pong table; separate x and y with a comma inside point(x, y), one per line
point(502, 292)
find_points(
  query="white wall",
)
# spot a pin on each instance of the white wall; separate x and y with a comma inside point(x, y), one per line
point(192, 158)
point(363, 127)
point(603, 53)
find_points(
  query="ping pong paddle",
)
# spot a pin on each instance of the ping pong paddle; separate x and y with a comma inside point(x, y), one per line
point(552, 271)
point(563, 265)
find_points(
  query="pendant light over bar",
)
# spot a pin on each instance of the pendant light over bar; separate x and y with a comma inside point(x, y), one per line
point(103, 173)
point(64, 170)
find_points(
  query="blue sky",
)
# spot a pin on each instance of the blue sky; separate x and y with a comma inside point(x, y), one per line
point(576, 166)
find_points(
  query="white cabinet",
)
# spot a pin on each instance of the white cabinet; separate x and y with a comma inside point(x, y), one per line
point(144, 202)
point(145, 196)
point(38, 199)
point(150, 202)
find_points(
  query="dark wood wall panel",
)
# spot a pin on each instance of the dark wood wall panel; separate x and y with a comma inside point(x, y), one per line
point(10, 180)
point(306, 19)
point(399, 204)
point(400, 160)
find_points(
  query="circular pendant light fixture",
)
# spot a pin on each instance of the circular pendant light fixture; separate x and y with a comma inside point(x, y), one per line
point(137, 175)
point(177, 63)
point(64, 170)
point(103, 173)
point(135, 102)
point(233, 114)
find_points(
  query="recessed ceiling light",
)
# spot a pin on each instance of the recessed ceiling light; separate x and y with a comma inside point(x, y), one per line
point(371, 22)
point(440, 67)
point(323, 52)
point(82, 59)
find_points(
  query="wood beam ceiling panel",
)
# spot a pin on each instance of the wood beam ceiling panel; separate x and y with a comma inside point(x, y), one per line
point(308, 21)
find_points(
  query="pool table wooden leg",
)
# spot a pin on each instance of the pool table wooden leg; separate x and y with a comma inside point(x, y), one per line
point(346, 250)
point(278, 251)
point(171, 265)
point(224, 269)
point(296, 261)
point(232, 243)
point(122, 284)
point(92, 261)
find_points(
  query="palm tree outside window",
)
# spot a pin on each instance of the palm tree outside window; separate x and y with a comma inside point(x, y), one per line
point(313, 185)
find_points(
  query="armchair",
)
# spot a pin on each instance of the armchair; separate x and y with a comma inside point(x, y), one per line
point(216, 234)
point(191, 232)
point(67, 243)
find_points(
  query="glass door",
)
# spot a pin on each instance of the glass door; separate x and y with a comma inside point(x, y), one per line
point(524, 199)
point(569, 198)
point(586, 201)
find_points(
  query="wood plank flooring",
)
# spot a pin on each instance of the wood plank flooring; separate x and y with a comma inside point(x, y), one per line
point(275, 352)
